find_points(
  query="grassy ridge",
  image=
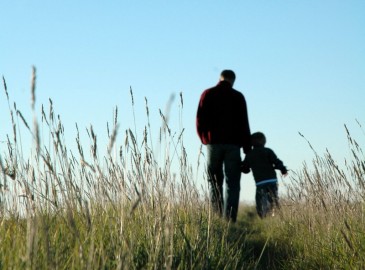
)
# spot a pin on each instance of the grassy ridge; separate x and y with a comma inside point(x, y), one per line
point(124, 210)
point(128, 210)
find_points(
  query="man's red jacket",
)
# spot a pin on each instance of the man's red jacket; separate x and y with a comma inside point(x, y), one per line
point(222, 117)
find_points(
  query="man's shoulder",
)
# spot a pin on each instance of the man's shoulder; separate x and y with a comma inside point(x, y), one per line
point(209, 91)
point(218, 89)
point(212, 88)
point(237, 92)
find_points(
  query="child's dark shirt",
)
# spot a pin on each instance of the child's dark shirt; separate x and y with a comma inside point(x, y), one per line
point(263, 162)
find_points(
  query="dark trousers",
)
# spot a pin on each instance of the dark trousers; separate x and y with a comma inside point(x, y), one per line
point(266, 198)
point(223, 165)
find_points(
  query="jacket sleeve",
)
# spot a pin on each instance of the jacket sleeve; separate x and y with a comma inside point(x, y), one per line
point(201, 121)
point(246, 133)
point(278, 164)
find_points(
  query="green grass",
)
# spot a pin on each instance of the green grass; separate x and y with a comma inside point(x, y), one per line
point(131, 211)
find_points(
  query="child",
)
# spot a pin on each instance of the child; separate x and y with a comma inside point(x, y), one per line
point(263, 162)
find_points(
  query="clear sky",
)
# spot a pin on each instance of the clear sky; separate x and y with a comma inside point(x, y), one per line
point(300, 65)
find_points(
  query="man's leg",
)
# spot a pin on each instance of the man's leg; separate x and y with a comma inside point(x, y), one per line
point(215, 176)
point(232, 161)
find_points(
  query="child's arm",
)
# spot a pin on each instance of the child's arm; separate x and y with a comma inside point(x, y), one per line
point(278, 164)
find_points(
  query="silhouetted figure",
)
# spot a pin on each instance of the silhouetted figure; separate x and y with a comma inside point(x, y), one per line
point(223, 126)
point(263, 162)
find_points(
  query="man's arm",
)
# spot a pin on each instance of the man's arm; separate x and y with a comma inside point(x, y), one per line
point(246, 133)
point(201, 119)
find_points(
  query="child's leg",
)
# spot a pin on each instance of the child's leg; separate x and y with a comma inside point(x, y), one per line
point(272, 190)
point(261, 201)
point(258, 198)
point(275, 195)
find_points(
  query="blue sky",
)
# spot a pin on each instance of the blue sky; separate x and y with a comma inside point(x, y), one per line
point(300, 65)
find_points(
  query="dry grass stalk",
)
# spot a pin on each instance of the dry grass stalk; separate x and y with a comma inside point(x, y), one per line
point(5, 88)
point(181, 100)
point(165, 124)
point(33, 86)
point(36, 135)
point(51, 111)
point(113, 138)
point(3, 186)
point(10, 110)
point(116, 116)
point(23, 119)
point(94, 144)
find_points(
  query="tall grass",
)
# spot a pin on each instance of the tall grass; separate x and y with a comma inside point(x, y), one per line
point(64, 208)
point(124, 210)
point(322, 219)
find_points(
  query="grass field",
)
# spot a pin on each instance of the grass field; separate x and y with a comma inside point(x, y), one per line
point(61, 210)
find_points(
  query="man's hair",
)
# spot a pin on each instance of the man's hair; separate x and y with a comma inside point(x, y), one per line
point(228, 74)
point(258, 139)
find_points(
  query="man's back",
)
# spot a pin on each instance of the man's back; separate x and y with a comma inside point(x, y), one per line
point(222, 116)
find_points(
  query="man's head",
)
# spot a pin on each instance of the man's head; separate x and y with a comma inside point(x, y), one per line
point(228, 75)
point(258, 139)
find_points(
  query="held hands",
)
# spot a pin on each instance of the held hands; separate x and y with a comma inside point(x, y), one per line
point(244, 168)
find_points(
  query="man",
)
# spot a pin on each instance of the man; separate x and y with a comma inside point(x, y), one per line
point(222, 125)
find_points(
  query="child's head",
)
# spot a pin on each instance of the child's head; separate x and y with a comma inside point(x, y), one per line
point(258, 139)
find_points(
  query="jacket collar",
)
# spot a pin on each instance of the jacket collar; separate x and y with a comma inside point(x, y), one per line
point(225, 84)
